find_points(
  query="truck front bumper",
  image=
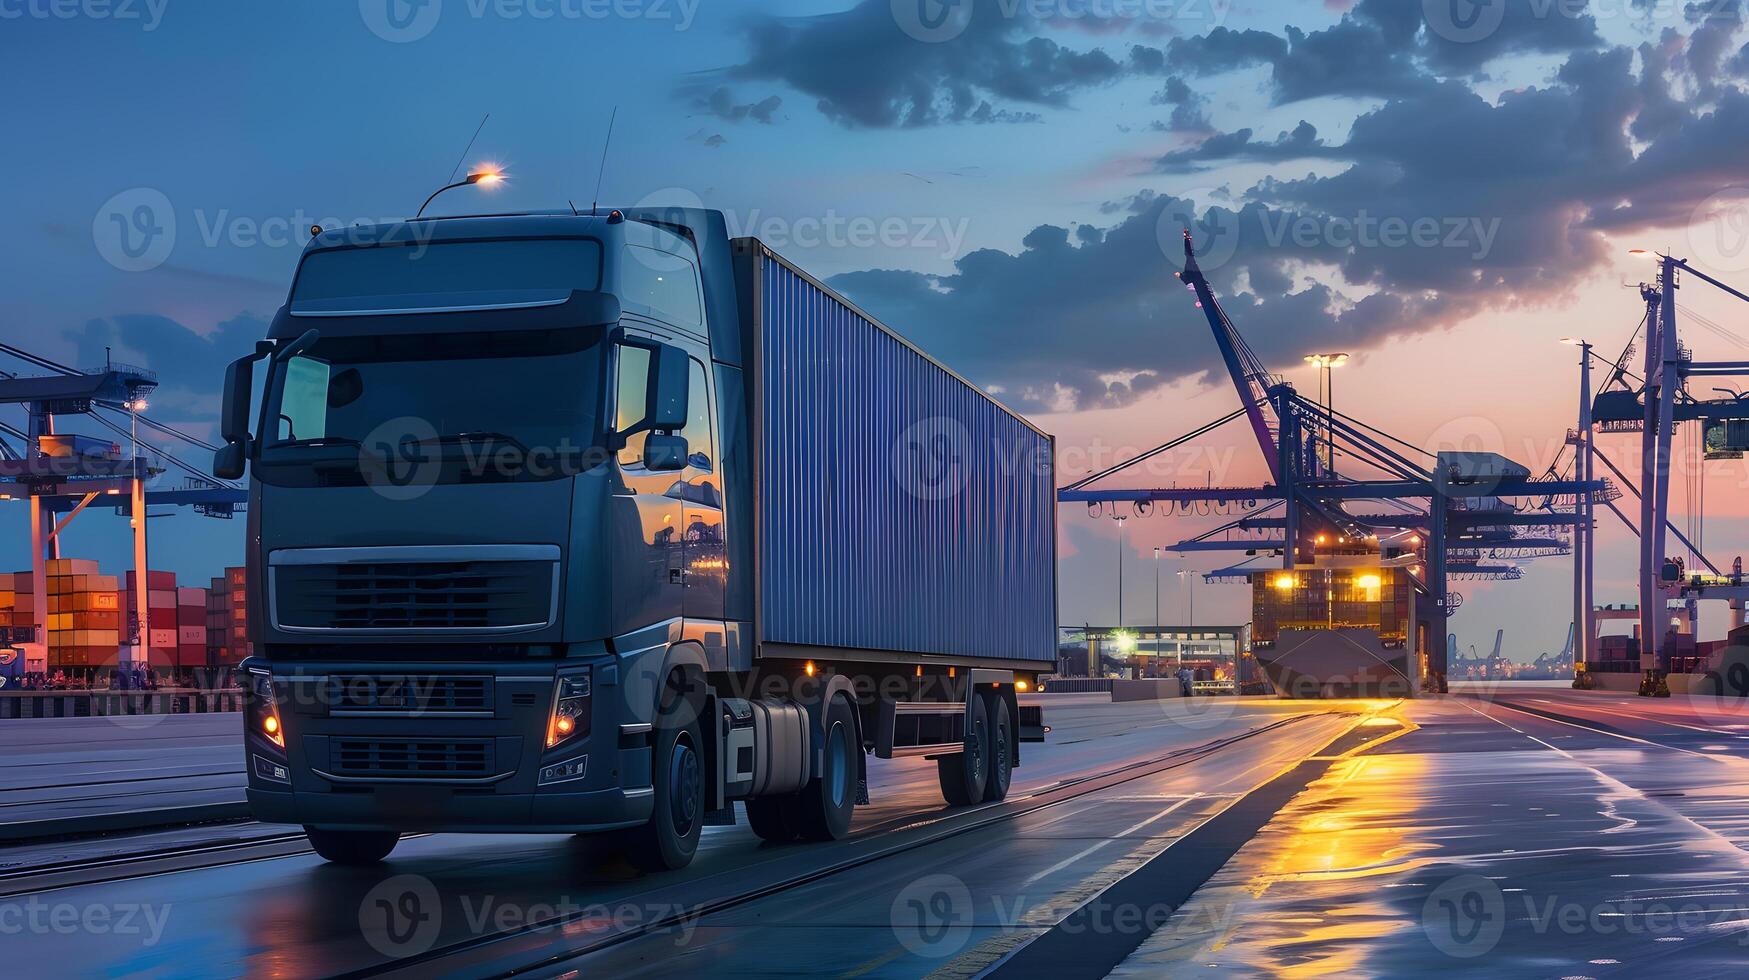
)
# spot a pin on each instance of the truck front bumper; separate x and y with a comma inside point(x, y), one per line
point(424, 808)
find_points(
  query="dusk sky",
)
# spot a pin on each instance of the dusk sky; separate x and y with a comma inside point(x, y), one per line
point(1442, 189)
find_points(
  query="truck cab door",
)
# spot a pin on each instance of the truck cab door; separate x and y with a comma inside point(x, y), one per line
point(647, 521)
point(706, 572)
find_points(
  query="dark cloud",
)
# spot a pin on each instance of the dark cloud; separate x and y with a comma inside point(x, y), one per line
point(863, 70)
point(721, 103)
point(1438, 206)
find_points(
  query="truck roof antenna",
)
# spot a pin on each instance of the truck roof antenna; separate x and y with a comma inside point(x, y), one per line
point(595, 204)
point(463, 159)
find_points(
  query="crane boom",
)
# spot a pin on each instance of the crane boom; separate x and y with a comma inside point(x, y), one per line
point(1250, 378)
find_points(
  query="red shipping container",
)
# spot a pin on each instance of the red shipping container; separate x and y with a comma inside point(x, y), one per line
point(191, 616)
point(155, 581)
point(162, 619)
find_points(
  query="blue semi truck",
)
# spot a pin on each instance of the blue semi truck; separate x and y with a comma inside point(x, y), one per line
point(605, 522)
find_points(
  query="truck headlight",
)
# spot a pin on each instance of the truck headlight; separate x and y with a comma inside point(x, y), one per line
point(263, 713)
point(570, 714)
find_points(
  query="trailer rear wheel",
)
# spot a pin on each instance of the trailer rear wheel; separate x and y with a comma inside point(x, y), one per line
point(1003, 735)
point(352, 847)
point(824, 805)
point(669, 841)
point(964, 774)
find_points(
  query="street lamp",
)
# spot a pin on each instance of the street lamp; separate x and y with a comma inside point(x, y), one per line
point(1189, 578)
point(1156, 588)
point(486, 177)
point(1584, 512)
point(1325, 363)
point(1120, 547)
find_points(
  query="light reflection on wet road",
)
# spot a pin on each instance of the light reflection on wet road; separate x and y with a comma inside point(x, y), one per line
point(1492, 842)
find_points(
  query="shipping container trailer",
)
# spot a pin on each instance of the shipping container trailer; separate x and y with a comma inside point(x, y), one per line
point(795, 542)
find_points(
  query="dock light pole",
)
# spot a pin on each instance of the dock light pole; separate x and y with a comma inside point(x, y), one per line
point(1120, 547)
point(1189, 578)
point(142, 656)
point(1156, 588)
point(485, 177)
point(1326, 363)
point(1584, 513)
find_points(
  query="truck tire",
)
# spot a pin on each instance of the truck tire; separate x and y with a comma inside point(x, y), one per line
point(669, 841)
point(824, 805)
point(352, 847)
point(774, 818)
point(963, 774)
point(1003, 736)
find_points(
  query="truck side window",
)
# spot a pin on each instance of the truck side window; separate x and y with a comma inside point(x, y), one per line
point(634, 376)
point(699, 447)
point(303, 412)
point(664, 282)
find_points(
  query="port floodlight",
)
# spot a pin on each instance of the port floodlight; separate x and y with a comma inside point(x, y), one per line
point(1284, 582)
point(1370, 582)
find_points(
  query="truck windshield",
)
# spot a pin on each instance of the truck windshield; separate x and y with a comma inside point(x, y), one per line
point(445, 275)
point(533, 393)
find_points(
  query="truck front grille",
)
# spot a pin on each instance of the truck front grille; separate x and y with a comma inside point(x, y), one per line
point(408, 693)
point(455, 596)
point(429, 758)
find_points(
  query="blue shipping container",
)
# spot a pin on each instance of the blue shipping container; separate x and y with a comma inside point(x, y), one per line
point(900, 508)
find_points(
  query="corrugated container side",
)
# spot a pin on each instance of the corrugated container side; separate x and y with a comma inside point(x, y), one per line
point(900, 508)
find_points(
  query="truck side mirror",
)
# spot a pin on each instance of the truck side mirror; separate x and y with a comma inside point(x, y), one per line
point(666, 401)
point(664, 453)
point(230, 462)
point(239, 386)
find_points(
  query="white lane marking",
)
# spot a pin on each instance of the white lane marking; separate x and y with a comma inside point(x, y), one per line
point(1084, 852)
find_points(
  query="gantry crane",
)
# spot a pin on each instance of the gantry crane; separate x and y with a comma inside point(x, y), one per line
point(1450, 515)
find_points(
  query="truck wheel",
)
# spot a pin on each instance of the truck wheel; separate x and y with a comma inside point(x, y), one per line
point(774, 818)
point(824, 805)
point(1001, 750)
point(670, 839)
point(352, 847)
point(963, 774)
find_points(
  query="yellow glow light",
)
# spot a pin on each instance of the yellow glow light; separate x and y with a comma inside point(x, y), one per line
point(1284, 582)
point(1369, 582)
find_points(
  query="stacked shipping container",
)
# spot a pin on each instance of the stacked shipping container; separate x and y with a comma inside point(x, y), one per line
point(91, 615)
point(84, 618)
point(227, 635)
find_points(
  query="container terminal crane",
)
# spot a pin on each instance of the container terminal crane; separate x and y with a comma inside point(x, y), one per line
point(1370, 530)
